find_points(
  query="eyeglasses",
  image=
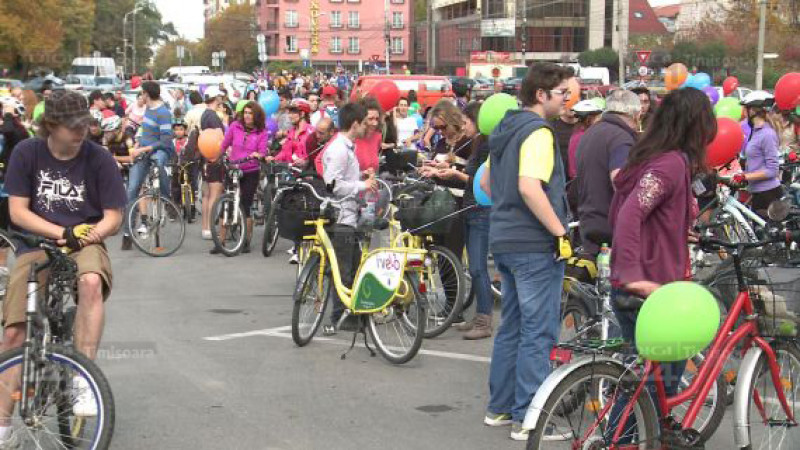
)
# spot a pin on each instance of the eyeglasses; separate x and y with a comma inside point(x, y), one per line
point(563, 92)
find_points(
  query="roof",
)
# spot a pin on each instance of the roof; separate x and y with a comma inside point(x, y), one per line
point(643, 20)
point(667, 11)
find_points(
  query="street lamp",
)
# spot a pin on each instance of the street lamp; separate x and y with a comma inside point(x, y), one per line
point(137, 7)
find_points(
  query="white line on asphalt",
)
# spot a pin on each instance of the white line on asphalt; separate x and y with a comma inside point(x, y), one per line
point(281, 332)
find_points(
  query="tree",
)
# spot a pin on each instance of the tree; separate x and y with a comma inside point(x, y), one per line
point(601, 57)
point(167, 55)
point(234, 30)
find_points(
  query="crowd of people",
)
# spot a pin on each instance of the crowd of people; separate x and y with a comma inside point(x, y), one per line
point(623, 167)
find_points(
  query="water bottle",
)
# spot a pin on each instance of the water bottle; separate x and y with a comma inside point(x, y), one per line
point(368, 212)
point(604, 269)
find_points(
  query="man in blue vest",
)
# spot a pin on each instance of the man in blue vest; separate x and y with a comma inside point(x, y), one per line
point(528, 238)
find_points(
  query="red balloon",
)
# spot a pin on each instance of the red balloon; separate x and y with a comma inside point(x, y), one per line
point(136, 82)
point(726, 144)
point(729, 85)
point(387, 94)
point(787, 91)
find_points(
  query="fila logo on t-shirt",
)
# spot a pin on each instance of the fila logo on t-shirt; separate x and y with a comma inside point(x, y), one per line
point(55, 191)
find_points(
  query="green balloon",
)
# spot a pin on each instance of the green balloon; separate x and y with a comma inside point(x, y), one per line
point(728, 107)
point(493, 110)
point(676, 322)
point(600, 102)
point(240, 106)
point(38, 110)
point(797, 111)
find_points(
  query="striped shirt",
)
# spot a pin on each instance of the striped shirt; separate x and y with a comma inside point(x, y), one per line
point(157, 129)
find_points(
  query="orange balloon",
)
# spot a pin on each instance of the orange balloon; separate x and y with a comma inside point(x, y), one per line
point(675, 77)
point(574, 92)
point(210, 143)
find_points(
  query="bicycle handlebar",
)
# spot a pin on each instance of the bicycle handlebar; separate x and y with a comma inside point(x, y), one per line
point(777, 236)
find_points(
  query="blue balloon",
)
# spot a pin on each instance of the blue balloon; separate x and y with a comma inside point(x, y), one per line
point(420, 121)
point(688, 82)
point(701, 80)
point(270, 102)
point(480, 197)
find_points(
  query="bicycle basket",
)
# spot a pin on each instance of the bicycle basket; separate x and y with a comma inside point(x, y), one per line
point(774, 291)
point(422, 205)
point(295, 207)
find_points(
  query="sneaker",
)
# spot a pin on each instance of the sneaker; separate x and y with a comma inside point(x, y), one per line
point(142, 231)
point(215, 251)
point(84, 404)
point(246, 248)
point(294, 259)
point(552, 433)
point(127, 242)
point(206, 235)
point(291, 251)
point(328, 330)
point(518, 433)
point(497, 420)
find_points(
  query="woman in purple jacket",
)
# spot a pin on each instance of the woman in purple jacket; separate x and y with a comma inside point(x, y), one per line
point(653, 209)
point(247, 136)
point(761, 152)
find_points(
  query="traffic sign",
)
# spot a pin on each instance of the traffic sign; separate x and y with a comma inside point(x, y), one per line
point(376, 57)
point(262, 57)
point(643, 56)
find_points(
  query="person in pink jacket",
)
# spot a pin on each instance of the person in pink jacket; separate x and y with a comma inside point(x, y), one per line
point(294, 147)
point(247, 137)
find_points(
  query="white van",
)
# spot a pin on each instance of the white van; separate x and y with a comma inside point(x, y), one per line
point(178, 71)
point(94, 67)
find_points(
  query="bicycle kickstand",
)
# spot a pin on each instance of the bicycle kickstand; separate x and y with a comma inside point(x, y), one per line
point(352, 345)
point(362, 329)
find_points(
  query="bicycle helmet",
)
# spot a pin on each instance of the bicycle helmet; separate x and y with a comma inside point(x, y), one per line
point(178, 122)
point(110, 123)
point(301, 105)
point(19, 108)
point(586, 108)
point(758, 99)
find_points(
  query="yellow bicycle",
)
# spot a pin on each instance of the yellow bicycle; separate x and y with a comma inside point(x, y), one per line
point(386, 293)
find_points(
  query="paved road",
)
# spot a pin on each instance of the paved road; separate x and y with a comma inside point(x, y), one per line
point(199, 356)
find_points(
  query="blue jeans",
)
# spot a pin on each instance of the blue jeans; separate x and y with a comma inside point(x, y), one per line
point(529, 328)
point(477, 225)
point(139, 172)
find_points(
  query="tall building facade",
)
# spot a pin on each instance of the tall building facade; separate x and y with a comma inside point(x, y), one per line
point(354, 34)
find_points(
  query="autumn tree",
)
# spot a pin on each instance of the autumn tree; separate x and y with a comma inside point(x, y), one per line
point(234, 30)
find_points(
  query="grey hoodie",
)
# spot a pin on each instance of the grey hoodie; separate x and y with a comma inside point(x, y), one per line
point(513, 227)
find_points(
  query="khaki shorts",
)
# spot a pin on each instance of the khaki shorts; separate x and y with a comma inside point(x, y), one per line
point(91, 259)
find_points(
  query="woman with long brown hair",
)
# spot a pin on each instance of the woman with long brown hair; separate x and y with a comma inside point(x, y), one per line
point(654, 208)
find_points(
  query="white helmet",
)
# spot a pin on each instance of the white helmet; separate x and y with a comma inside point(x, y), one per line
point(758, 99)
point(19, 108)
point(586, 108)
point(111, 123)
point(212, 92)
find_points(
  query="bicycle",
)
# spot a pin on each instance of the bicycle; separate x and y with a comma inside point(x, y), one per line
point(385, 294)
point(603, 379)
point(40, 378)
point(278, 175)
point(187, 190)
point(154, 221)
point(228, 223)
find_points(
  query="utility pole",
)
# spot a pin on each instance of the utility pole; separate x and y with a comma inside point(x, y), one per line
point(387, 36)
point(524, 31)
point(431, 40)
point(762, 25)
point(133, 63)
point(622, 43)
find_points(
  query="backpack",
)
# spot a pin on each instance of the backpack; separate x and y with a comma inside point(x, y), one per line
point(191, 151)
point(332, 112)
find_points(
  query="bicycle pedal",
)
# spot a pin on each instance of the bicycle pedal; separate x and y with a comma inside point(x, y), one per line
point(688, 439)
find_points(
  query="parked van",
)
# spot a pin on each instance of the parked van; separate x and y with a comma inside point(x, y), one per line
point(94, 67)
point(174, 72)
point(430, 88)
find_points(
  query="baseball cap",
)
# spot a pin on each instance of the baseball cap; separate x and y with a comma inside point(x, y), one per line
point(330, 90)
point(67, 108)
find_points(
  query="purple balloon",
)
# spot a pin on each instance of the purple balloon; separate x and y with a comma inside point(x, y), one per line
point(712, 94)
point(202, 89)
point(272, 126)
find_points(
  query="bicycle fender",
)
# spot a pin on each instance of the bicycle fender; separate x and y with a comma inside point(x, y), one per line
point(552, 381)
point(747, 371)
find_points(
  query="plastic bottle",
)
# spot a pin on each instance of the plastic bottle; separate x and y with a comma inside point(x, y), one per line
point(368, 212)
point(604, 269)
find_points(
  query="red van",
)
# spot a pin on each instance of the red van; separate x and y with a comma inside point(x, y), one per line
point(430, 88)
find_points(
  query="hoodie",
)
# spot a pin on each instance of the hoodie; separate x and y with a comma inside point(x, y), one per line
point(244, 143)
point(513, 227)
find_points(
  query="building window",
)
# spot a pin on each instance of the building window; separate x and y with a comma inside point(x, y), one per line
point(353, 20)
point(397, 20)
point(336, 44)
point(353, 46)
point(336, 19)
point(291, 19)
point(336, 1)
point(353, 1)
point(291, 44)
point(398, 2)
point(397, 46)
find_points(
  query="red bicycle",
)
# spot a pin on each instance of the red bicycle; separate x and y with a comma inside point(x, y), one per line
point(766, 399)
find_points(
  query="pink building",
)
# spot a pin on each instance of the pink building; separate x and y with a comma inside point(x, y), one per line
point(329, 32)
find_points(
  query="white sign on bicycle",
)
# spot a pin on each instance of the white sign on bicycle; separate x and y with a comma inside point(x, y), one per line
point(378, 279)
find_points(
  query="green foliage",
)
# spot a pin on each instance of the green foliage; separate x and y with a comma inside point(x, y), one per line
point(602, 57)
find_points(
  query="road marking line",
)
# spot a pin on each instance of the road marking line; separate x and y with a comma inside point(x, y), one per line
point(281, 332)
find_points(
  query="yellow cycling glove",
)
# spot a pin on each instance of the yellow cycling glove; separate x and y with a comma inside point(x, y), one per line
point(563, 248)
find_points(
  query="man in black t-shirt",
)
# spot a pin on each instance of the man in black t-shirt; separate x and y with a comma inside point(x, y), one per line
point(65, 188)
point(213, 171)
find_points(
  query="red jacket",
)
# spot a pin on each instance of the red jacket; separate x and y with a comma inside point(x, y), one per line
point(295, 144)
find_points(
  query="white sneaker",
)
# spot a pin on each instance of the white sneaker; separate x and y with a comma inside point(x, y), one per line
point(142, 231)
point(84, 404)
point(291, 251)
point(294, 259)
point(206, 235)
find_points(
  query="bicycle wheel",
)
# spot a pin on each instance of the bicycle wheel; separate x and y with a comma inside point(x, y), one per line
point(310, 301)
point(767, 425)
point(397, 332)
point(710, 415)
point(187, 203)
point(446, 287)
point(578, 425)
point(58, 379)
point(155, 225)
point(270, 233)
point(228, 229)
